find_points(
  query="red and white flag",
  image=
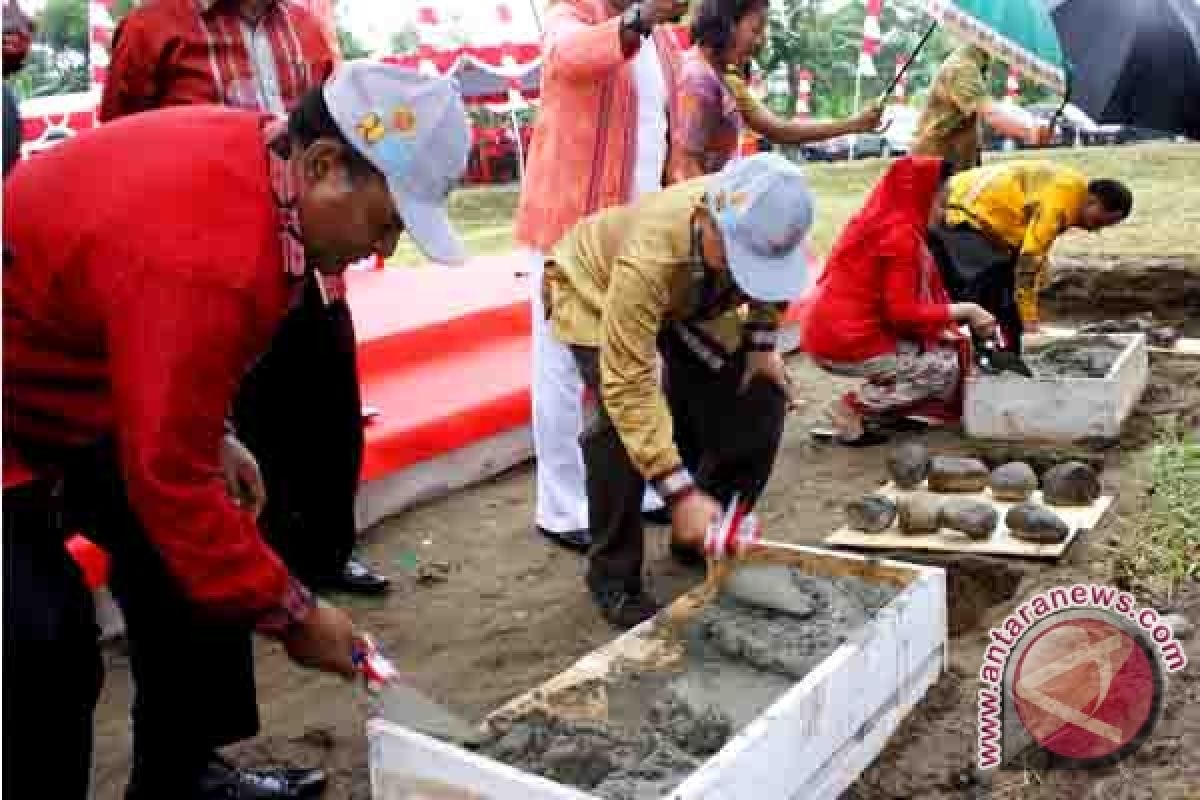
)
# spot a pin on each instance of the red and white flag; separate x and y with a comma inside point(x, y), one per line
point(872, 39)
point(901, 93)
point(803, 92)
point(1013, 86)
point(100, 31)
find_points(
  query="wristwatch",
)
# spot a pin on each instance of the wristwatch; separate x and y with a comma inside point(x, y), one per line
point(635, 21)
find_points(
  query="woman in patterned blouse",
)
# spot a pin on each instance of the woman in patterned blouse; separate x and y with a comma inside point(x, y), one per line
point(715, 102)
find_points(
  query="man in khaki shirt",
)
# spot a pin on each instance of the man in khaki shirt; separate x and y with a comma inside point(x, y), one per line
point(959, 101)
point(695, 273)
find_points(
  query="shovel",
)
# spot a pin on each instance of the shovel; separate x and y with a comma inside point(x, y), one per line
point(993, 358)
point(398, 701)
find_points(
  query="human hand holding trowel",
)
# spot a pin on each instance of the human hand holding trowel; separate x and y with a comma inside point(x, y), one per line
point(398, 700)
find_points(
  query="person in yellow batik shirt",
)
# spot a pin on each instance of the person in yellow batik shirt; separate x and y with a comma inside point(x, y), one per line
point(959, 101)
point(999, 225)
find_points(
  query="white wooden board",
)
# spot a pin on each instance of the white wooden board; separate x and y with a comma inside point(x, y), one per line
point(825, 730)
point(1001, 543)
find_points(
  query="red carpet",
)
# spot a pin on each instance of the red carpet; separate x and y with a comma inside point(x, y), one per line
point(443, 354)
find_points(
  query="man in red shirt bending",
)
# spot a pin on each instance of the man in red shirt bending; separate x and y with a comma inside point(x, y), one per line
point(265, 55)
point(133, 304)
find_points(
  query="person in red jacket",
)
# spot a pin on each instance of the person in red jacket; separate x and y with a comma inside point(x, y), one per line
point(880, 312)
point(265, 55)
point(132, 307)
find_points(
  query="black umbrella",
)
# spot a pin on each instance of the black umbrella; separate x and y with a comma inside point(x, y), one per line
point(1135, 62)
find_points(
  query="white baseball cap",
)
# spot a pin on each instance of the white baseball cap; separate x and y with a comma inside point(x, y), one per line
point(764, 210)
point(414, 130)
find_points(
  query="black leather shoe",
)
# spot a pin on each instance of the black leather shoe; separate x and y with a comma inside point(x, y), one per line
point(688, 556)
point(357, 578)
point(575, 541)
point(230, 783)
point(624, 609)
point(220, 780)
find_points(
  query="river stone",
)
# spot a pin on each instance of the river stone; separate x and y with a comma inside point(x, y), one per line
point(871, 513)
point(1035, 523)
point(1071, 484)
point(1013, 482)
point(977, 520)
point(909, 465)
point(947, 474)
point(919, 513)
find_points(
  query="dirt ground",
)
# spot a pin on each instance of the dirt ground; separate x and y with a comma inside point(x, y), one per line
point(513, 611)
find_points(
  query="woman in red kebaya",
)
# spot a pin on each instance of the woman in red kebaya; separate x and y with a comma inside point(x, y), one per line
point(880, 312)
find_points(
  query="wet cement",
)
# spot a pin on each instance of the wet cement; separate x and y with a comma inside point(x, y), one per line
point(661, 726)
point(1075, 357)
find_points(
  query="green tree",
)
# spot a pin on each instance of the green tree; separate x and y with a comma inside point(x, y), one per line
point(63, 25)
point(58, 60)
point(122, 7)
point(403, 41)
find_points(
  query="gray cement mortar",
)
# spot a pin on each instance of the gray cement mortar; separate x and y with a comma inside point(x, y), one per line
point(662, 726)
point(1083, 357)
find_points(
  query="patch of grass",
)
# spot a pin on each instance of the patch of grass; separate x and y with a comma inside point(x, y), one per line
point(1160, 547)
point(482, 216)
point(1165, 179)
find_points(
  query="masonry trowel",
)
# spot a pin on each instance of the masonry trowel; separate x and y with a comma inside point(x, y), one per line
point(992, 356)
point(397, 700)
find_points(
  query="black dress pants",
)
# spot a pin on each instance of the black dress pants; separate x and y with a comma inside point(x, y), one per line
point(976, 270)
point(193, 675)
point(299, 411)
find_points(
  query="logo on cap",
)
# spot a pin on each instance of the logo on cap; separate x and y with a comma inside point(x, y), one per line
point(404, 120)
point(370, 128)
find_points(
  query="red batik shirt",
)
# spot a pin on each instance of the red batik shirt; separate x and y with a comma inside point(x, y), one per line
point(182, 52)
point(133, 307)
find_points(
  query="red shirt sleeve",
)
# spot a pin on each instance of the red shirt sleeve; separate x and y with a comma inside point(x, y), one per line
point(131, 85)
point(176, 359)
point(902, 306)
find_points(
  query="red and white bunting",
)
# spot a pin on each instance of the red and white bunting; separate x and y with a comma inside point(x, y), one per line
point(872, 39)
point(504, 18)
point(429, 39)
point(427, 17)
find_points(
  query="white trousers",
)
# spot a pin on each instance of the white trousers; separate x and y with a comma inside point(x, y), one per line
point(561, 486)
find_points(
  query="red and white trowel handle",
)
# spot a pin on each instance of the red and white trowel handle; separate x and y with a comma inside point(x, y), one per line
point(734, 533)
point(377, 670)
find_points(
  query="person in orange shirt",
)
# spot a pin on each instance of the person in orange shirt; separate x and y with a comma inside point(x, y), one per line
point(602, 139)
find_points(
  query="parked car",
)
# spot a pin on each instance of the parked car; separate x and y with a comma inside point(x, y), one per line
point(894, 140)
point(1074, 128)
